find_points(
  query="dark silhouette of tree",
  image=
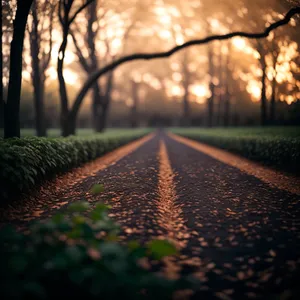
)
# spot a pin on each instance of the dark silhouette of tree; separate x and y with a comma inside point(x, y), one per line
point(42, 15)
point(66, 18)
point(68, 118)
point(134, 116)
point(275, 54)
point(227, 92)
point(90, 63)
point(101, 94)
point(150, 56)
point(1, 72)
point(12, 104)
point(261, 48)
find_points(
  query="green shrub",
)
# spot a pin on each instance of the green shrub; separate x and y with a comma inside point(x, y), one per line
point(26, 162)
point(276, 147)
point(79, 255)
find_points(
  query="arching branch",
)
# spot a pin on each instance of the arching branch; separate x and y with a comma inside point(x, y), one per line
point(145, 56)
point(79, 10)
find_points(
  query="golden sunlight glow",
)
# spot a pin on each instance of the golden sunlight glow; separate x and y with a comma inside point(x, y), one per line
point(165, 34)
point(177, 76)
point(199, 90)
point(177, 91)
point(239, 43)
point(254, 89)
point(70, 77)
point(170, 23)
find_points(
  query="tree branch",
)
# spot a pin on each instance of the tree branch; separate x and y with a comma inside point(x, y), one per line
point(80, 9)
point(79, 53)
point(157, 55)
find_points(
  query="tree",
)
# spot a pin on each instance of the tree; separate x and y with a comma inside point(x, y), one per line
point(134, 120)
point(69, 114)
point(40, 38)
point(66, 18)
point(1, 72)
point(261, 48)
point(149, 56)
point(12, 105)
point(227, 96)
point(97, 31)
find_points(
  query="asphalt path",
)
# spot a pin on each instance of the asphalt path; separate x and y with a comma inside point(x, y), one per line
point(237, 234)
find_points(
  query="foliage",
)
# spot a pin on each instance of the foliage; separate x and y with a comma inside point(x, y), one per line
point(275, 146)
point(78, 255)
point(26, 162)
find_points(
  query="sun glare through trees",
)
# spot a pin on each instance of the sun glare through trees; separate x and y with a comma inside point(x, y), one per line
point(150, 149)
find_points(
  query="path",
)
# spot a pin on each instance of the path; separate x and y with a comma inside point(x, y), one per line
point(237, 233)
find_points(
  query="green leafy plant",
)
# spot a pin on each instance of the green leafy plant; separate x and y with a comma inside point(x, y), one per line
point(78, 254)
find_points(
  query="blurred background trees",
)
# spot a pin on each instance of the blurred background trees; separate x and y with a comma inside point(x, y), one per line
point(228, 83)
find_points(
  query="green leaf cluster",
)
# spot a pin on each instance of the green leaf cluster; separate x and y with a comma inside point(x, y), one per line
point(78, 255)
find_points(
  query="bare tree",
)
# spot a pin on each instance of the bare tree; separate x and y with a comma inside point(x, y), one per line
point(134, 116)
point(260, 35)
point(66, 18)
point(12, 104)
point(211, 99)
point(40, 37)
point(1, 72)
point(227, 96)
point(274, 53)
point(101, 95)
point(261, 48)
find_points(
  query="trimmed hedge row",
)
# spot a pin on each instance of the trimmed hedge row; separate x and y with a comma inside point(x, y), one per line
point(26, 162)
point(274, 150)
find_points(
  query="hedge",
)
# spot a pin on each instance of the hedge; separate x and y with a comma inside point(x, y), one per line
point(26, 162)
point(281, 150)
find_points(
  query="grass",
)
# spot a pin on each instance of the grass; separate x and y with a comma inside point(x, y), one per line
point(275, 132)
point(56, 132)
point(278, 147)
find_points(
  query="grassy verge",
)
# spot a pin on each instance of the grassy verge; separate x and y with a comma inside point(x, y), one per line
point(28, 161)
point(278, 147)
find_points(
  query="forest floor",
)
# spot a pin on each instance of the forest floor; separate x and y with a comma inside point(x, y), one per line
point(236, 223)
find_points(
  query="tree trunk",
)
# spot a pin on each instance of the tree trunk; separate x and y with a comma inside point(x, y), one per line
point(40, 122)
point(64, 101)
point(186, 109)
point(71, 125)
point(263, 101)
point(96, 107)
point(210, 101)
point(227, 90)
point(37, 78)
point(186, 84)
point(103, 118)
point(1, 74)
point(219, 112)
point(274, 89)
point(63, 90)
point(273, 102)
point(134, 108)
point(12, 105)
point(263, 97)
